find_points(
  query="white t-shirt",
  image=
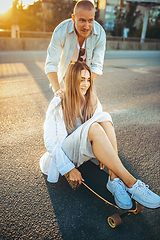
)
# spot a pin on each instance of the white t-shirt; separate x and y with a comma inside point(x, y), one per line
point(76, 52)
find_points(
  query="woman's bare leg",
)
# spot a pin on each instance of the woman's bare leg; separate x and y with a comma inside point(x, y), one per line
point(105, 153)
point(109, 130)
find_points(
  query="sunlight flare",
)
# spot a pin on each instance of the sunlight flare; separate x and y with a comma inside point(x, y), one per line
point(7, 4)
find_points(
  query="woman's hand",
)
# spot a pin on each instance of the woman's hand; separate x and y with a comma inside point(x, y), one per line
point(75, 176)
point(59, 93)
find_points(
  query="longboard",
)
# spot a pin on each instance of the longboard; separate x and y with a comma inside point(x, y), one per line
point(95, 180)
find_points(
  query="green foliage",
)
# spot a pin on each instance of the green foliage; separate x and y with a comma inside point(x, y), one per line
point(97, 14)
point(153, 31)
point(61, 10)
point(30, 19)
point(119, 23)
point(126, 20)
point(38, 17)
point(131, 18)
point(6, 20)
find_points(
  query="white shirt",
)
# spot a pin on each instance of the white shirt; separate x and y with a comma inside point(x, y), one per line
point(62, 46)
point(76, 52)
point(55, 161)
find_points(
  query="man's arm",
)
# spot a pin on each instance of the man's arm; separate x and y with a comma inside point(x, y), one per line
point(53, 57)
point(53, 78)
point(94, 75)
point(98, 53)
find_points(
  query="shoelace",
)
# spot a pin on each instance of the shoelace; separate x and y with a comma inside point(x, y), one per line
point(121, 187)
point(143, 188)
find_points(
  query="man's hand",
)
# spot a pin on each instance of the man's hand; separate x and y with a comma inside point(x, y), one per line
point(59, 93)
point(75, 176)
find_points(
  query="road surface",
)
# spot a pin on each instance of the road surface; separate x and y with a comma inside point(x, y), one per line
point(32, 208)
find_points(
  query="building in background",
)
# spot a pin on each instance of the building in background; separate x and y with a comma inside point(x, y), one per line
point(113, 5)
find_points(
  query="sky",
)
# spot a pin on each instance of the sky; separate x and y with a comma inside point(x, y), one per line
point(5, 5)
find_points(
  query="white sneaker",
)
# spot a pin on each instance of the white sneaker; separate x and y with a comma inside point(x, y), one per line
point(118, 189)
point(142, 194)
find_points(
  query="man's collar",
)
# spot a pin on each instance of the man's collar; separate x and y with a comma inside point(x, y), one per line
point(72, 29)
point(94, 29)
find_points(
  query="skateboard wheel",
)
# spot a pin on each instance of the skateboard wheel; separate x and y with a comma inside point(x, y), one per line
point(114, 220)
point(139, 208)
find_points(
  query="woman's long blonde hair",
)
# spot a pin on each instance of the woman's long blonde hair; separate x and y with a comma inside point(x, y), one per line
point(74, 104)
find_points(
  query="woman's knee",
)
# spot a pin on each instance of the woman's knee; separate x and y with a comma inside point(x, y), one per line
point(95, 130)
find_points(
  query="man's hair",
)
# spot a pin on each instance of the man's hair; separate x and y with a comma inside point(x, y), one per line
point(85, 4)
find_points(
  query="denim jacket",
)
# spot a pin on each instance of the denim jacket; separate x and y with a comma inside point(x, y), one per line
point(55, 161)
point(62, 45)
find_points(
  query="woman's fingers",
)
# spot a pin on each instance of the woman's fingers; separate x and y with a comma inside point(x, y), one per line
point(75, 176)
point(101, 166)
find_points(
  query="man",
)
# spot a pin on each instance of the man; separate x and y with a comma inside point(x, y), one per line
point(80, 38)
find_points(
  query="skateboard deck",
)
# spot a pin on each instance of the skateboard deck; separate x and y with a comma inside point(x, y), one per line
point(95, 180)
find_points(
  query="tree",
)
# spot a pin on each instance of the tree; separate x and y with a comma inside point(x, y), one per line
point(6, 20)
point(131, 17)
point(126, 19)
point(41, 15)
point(58, 11)
point(97, 13)
point(153, 30)
point(30, 19)
point(119, 23)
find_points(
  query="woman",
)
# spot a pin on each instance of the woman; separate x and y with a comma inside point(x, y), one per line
point(76, 130)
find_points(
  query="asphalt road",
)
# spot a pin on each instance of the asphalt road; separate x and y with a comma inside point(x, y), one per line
point(32, 208)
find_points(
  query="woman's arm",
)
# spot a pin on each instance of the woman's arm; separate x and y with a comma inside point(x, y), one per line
point(54, 133)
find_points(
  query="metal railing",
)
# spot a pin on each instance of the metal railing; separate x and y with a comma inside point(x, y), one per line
point(29, 34)
point(130, 39)
point(5, 33)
